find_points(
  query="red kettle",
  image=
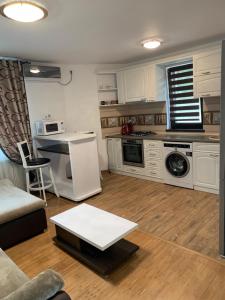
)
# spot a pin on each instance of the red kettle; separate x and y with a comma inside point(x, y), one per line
point(127, 128)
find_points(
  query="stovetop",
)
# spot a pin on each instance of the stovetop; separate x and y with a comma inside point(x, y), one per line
point(141, 133)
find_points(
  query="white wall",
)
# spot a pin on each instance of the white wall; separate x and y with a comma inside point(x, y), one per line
point(45, 98)
point(82, 105)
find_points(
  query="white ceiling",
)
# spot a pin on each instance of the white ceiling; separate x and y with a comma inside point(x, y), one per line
point(109, 31)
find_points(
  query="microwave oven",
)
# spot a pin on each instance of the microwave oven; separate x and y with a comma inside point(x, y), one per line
point(44, 127)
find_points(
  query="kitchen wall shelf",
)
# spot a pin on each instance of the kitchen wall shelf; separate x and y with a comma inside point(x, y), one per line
point(133, 104)
point(107, 87)
point(111, 105)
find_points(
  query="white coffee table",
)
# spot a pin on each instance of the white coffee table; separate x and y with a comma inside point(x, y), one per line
point(95, 237)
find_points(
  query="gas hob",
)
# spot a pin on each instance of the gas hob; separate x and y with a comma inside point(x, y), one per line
point(141, 133)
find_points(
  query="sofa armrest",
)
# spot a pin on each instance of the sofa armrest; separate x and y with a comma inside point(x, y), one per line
point(60, 296)
point(43, 286)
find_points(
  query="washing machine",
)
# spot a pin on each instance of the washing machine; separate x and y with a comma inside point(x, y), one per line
point(177, 164)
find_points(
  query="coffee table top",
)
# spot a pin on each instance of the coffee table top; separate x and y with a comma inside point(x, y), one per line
point(95, 226)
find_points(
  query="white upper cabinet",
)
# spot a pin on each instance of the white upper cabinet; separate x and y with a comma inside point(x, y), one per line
point(120, 86)
point(156, 83)
point(207, 63)
point(135, 80)
point(207, 86)
point(148, 82)
point(207, 73)
point(144, 83)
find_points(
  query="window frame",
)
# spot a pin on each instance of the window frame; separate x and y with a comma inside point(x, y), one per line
point(172, 125)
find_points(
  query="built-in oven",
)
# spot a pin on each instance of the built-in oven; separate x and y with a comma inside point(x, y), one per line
point(133, 152)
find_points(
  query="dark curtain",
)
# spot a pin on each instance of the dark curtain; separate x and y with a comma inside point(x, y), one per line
point(14, 115)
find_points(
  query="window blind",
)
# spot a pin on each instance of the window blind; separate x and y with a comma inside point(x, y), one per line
point(185, 111)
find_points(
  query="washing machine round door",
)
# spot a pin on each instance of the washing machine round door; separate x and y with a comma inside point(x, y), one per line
point(177, 164)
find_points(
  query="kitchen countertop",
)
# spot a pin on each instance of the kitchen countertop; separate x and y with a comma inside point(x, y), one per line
point(67, 136)
point(172, 138)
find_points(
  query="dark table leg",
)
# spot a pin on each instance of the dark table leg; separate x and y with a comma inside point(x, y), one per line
point(102, 262)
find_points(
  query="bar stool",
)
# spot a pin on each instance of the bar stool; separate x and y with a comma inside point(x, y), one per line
point(36, 164)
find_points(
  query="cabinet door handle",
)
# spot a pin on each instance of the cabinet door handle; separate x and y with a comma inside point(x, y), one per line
point(206, 73)
point(214, 155)
point(133, 170)
point(153, 173)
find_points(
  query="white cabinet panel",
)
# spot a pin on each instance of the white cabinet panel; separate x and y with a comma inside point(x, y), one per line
point(153, 159)
point(206, 165)
point(135, 84)
point(150, 144)
point(206, 170)
point(111, 154)
point(207, 86)
point(118, 154)
point(114, 153)
point(156, 83)
point(134, 170)
point(154, 173)
point(120, 87)
point(207, 63)
point(207, 73)
point(207, 147)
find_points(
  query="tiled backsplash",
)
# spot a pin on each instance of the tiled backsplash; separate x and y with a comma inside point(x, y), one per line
point(209, 117)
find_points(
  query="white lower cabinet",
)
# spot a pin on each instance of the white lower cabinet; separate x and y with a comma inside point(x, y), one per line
point(206, 167)
point(134, 170)
point(114, 153)
point(205, 163)
point(153, 159)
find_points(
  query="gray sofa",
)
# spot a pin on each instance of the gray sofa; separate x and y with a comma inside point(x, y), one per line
point(22, 215)
point(15, 285)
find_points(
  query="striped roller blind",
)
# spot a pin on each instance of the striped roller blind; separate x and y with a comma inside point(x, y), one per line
point(185, 110)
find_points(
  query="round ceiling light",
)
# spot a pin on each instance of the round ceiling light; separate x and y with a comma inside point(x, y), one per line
point(23, 11)
point(151, 44)
point(34, 70)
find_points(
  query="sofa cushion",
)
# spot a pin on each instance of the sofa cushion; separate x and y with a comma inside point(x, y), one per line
point(11, 277)
point(15, 203)
point(41, 287)
point(5, 181)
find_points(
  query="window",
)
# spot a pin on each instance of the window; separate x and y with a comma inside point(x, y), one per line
point(184, 111)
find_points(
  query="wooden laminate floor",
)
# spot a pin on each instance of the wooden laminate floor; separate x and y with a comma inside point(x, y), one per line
point(170, 219)
point(186, 217)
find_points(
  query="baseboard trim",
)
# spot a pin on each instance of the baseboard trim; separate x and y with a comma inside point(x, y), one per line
point(204, 189)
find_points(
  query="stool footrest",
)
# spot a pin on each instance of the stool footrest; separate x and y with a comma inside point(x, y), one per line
point(46, 186)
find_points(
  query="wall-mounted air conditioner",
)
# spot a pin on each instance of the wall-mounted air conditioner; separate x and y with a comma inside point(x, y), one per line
point(39, 72)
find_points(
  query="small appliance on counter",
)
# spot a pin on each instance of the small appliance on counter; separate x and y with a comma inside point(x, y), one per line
point(48, 127)
point(127, 128)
